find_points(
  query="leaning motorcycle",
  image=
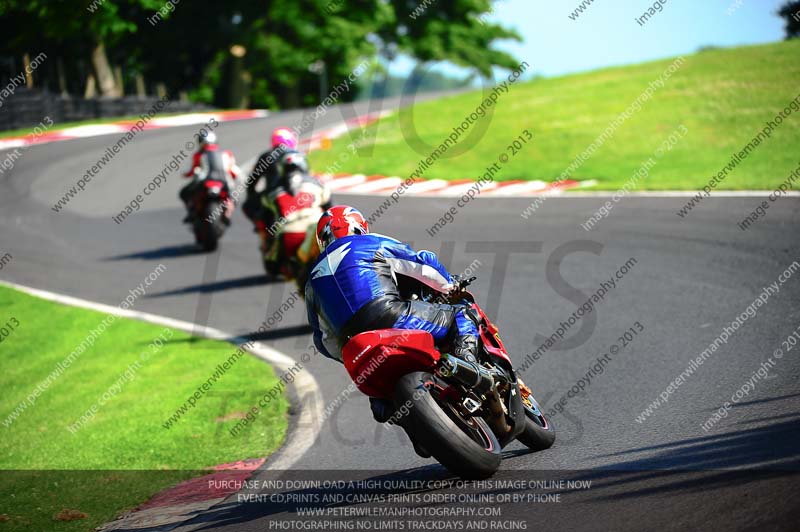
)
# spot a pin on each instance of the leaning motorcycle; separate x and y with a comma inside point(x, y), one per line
point(461, 413)
point(211, 210)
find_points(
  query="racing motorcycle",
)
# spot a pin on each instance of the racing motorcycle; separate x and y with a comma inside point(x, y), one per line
point(462, 413)
point(211, 211)
point(296, 256)
point(289, 245)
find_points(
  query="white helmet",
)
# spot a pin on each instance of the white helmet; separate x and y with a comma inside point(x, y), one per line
point(206, 137)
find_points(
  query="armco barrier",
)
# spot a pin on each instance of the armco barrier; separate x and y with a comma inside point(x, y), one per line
point(27, 107)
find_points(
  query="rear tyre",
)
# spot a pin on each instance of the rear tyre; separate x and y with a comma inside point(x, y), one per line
point(464, 445)
point(539, 433)
point(209, 228)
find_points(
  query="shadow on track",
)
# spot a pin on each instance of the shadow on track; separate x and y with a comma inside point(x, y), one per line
point(755, 402)
point(166, 252)
point(767, 400)
point(279, 334)
point(696, 464)
point(773, 446)
point(218, 286)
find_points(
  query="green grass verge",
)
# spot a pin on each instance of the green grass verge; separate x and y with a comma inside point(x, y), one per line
point(123, 454)
point(722, 97)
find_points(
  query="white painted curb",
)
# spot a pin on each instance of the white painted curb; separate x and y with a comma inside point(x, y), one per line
point(678, 194)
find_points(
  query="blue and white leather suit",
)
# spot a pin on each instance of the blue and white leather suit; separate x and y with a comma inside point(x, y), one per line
point(353, 288)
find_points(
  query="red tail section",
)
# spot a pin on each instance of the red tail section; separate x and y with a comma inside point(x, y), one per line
point(215, 187)
point(376, 360)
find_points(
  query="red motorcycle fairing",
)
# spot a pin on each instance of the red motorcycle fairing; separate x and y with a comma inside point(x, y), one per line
point(376, 360)
point(490, 335)
point(490, 338)
point(288, 203)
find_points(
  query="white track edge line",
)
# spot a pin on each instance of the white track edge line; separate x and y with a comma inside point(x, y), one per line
point(7, 144)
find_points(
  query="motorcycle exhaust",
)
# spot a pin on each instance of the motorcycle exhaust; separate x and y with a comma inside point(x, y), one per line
point(482, 381)
point(497, 418)
point(470, 375)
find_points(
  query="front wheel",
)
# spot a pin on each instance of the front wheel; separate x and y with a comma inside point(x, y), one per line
point(539, 433)
point(463, 444)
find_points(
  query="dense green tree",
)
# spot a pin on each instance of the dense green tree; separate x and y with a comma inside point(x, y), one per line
point(86, 27)
point(791, 13)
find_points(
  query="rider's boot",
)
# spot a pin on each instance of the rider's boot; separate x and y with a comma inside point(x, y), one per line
point(419, 449)
point(465, 347)
point(465, 344)
point(382, 409)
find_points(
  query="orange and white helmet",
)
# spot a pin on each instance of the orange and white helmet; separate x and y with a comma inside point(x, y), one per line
point(340, 221)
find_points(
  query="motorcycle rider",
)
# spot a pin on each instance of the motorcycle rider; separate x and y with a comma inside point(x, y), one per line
point(208, 162)
point(353, 288)
point(284, 140)
point(290, 212)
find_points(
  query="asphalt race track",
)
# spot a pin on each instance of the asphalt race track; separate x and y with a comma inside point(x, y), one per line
point(690, 278)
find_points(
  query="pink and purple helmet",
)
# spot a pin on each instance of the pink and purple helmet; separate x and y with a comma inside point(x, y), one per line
point(286, 137)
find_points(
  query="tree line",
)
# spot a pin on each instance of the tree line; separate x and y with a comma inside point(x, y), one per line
point(275, 53)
